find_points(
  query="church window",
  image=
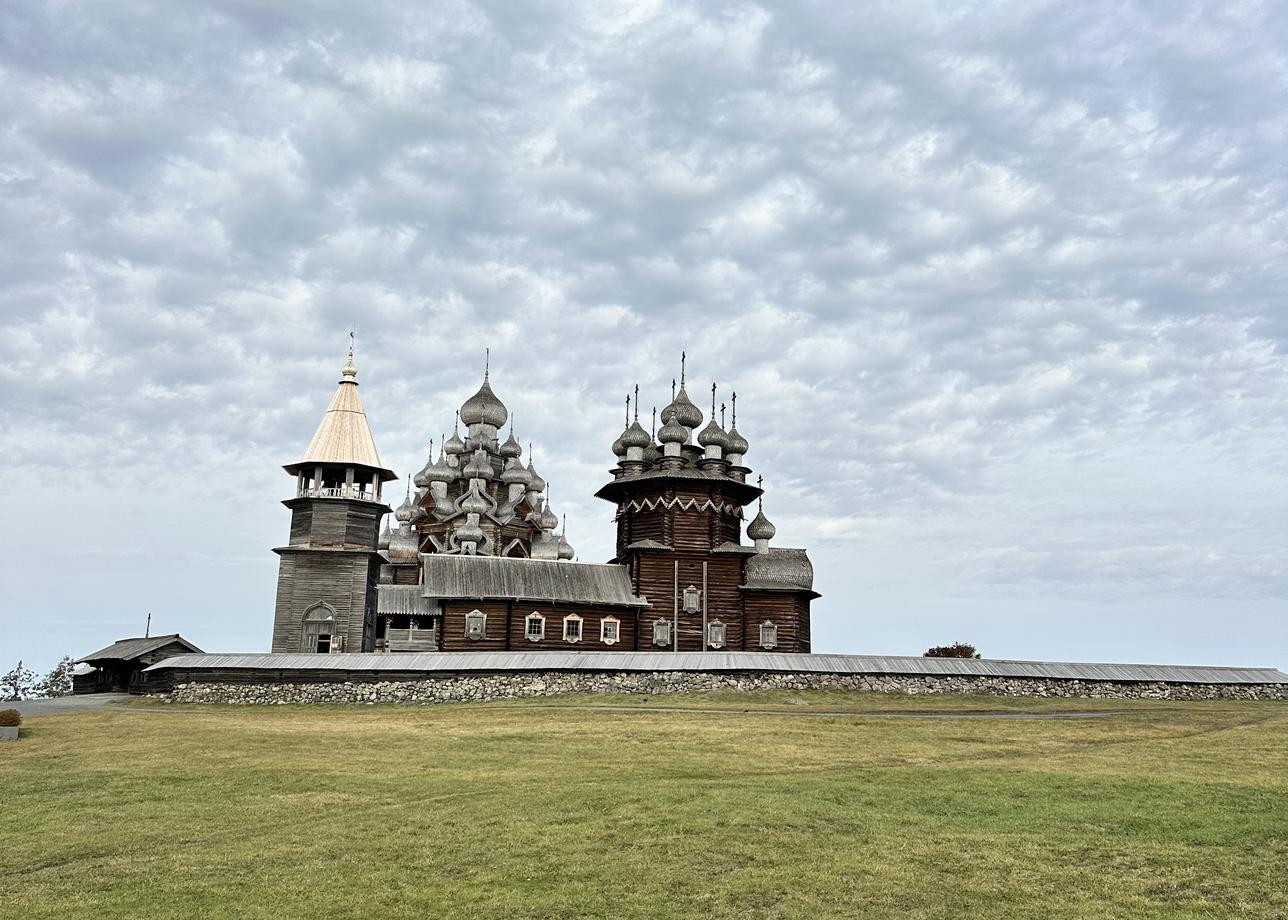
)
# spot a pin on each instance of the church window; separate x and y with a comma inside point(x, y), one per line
point(475, 625)
point(716, 634)
point(609, 630)
point(536, 627)
point(572, 628)
point(319, 627)
point(661, 633)
point(768, 635)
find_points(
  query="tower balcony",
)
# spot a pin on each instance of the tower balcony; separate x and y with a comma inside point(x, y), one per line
point(359, 491)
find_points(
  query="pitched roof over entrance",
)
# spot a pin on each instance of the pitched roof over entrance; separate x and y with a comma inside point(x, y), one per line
point(127, 649)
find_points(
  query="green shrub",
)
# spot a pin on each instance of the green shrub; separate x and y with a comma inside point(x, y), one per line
point(10, 718)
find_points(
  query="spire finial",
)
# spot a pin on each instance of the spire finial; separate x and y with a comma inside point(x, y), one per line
point(655, 423)
point(456, 426)
point(407, 496)
point(487, 361)
point(735, 409)
point(760, 499)
point(684, 356)
point(722, 415)
point(628, 410)
point(565, 525)
point(672, 389)
point(713, 399)
point(637, 402)
point(348, 372)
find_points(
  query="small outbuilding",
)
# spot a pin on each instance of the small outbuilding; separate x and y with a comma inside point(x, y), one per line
point(119, 667)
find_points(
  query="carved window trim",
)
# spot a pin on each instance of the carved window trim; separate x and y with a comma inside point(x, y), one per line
point(319, 620)
point(604, 625)
point(475, 625)
point(768, 634)
point(572, 619)
point(528, 622)
point(661, 633)
point(716, 634)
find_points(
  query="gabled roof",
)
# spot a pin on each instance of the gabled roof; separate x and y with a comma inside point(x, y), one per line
point(127, 649)
point(343, 436)
point(479, 577)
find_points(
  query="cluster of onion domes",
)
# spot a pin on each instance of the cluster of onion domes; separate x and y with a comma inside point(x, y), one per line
point(717, 450)
point(477, 483)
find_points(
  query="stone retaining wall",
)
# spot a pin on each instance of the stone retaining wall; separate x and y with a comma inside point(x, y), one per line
point(511, 685)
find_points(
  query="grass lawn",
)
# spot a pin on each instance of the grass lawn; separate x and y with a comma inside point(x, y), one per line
point(540, 810)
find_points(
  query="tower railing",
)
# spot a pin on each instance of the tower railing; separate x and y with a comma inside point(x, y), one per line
point(346, 491)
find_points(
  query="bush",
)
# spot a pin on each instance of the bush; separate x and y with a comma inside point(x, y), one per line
point(956, 650)
point(10, 718)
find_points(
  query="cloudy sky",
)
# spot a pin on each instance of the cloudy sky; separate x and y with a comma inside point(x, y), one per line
point(1000, 287)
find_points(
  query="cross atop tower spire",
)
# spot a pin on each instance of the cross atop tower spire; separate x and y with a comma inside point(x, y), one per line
point(684, 356)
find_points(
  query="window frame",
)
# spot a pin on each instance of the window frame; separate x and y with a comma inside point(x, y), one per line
point(573, 618)
point(773, 628)
point(482, 618)
point(617, 630)
point(714, 628)
point(664, 628)
point(534, 617)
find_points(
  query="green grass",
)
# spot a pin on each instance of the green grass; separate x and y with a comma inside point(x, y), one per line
point(549, 810)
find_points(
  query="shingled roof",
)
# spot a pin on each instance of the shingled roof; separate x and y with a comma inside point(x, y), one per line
point(343, 437)
point(127, 649)
point(527, 579)
point(780, 569)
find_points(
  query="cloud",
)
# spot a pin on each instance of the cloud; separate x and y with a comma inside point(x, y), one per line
point(933, 247)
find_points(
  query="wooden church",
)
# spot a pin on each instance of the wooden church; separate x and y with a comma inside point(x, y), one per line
point(474, 560)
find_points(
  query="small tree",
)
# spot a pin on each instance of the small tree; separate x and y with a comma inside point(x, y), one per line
point(57, 682)
point(18, 684)
point(956, 650)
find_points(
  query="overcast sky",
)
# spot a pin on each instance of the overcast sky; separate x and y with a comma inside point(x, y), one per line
point(1000, 287)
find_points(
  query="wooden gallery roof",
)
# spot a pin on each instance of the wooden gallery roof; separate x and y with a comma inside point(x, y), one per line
point(480, 577)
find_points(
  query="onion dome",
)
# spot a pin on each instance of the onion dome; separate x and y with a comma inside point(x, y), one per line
point(760, 528)
point(454, 444)
point(483, 408)
point(547, 519)
point(536, 483)
point(474, 503)
point(636, 436)
point(385, 536)
point(565, 548)
point(683, 411)
point(737, 444)
point(619, 446)
point(437, 472)
point(510, 449)
point(479, 467)
point(713, 434)
point(406, 511)
point(673, 432)
point(469, 532)
point(514, 472)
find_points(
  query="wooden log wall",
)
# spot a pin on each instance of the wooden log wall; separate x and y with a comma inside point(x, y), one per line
point(505, 628)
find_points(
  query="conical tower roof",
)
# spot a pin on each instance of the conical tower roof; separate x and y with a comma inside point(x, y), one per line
point(343, 437)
